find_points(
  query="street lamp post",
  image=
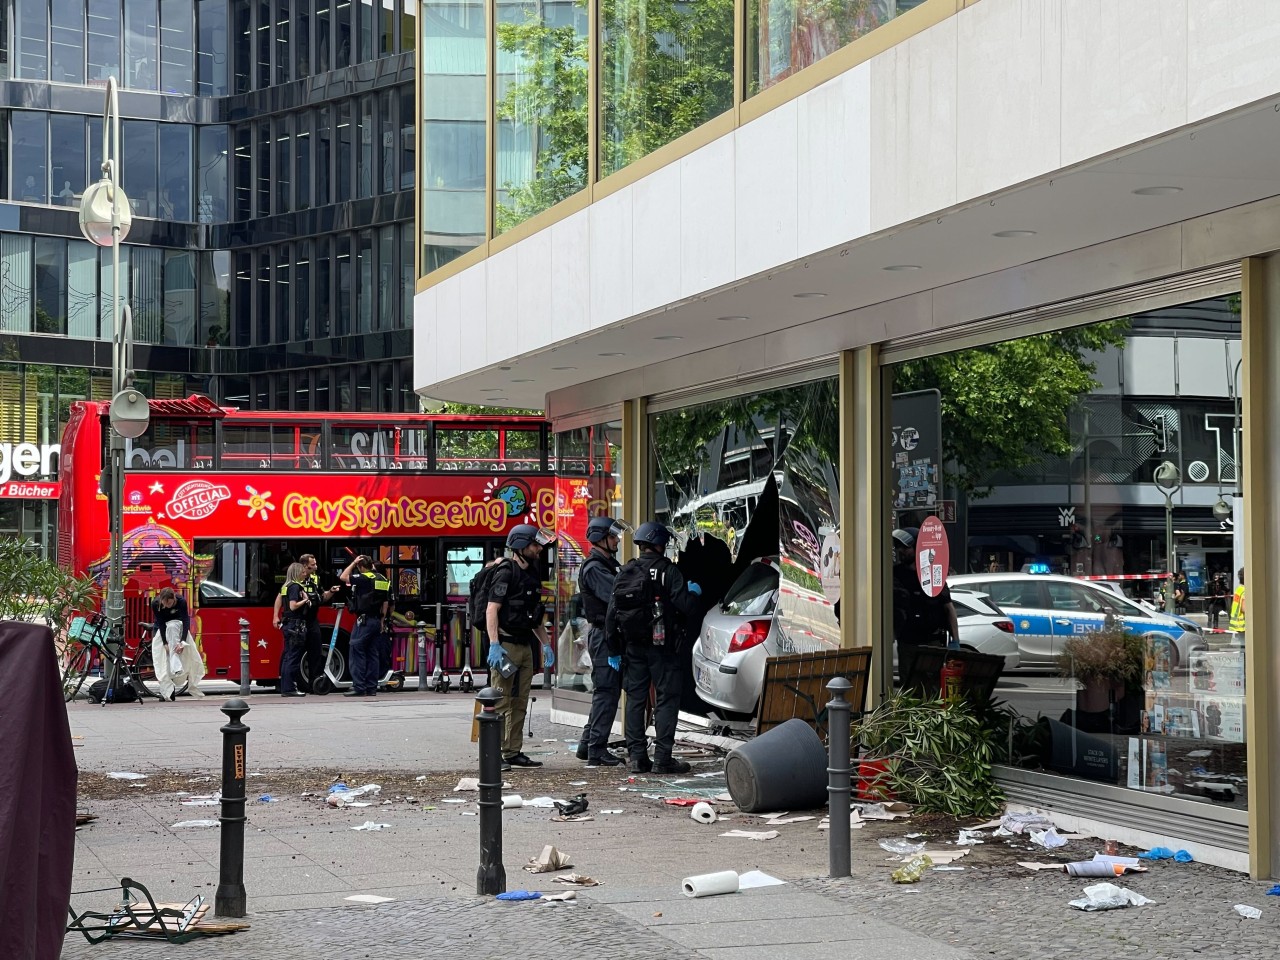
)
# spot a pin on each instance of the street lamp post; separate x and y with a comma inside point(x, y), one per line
point(1168, 480)
point(105, 218)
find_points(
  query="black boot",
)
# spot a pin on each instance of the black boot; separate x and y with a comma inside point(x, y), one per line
point(640, 763)
point(670, 765)
point(604, 759)
point(584, 751)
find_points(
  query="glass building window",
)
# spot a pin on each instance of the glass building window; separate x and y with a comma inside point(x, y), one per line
point(365, 138)
point(342, 184)
point(141, 44)
point(407, 274)
point(666, 69)
point(82, 289)
point(68, 160)
point(386, 151)
point(387, 31)
point(542, 158)
point(367, 29)
point(180, 297)
point(15, 292)
point(302, 38)
point(29, 145)
point(244, 173)
point(66, 36)
point(324, 35)
point(175, 172)
point(212, 175)
point(282, 51)
point(139, 166)
point(408, 140)
point(344, 277)
point(452, 187)
point(103, 20)
point(215, 298)
point(387, 299)
point(284, 164)
point(302, 147)
point(177, 46)
point(262, 169)
point(106, 283)
point(242, 53)
point(785, 36)
point(341, 33)
point(365, 288)
point(302, 292)
point(242, 300)
point(146, 293)
point(321, 323)
point(213, 50)
point(283, 297)
point(262, 298)
point(51, 285)
point(324, 158)
point(31, 40)
point(320, 396)
point(408, 24)
point(262, 44)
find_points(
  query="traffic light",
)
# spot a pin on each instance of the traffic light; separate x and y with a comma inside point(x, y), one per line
point(1160, 433)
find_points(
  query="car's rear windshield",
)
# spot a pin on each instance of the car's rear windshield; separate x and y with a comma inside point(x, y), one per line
point(754, 593)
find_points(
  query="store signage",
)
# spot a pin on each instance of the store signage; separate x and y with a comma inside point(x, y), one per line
point(30, 490)
point(28, 460)
point(933, 556)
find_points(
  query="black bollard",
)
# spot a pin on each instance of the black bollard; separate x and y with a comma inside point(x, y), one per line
point(839, 779)
point(422, 657)
point(230, 900)
point(491, 878)
point(244, 657)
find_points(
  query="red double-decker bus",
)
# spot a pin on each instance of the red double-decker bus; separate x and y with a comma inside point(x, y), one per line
point(218, 502)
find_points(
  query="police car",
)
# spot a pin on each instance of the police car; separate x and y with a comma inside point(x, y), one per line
point(1048, 609)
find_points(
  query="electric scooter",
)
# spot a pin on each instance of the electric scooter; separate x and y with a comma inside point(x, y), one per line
point(393, 679)
point(466, 681)
point(440, 679)
point(332, 677)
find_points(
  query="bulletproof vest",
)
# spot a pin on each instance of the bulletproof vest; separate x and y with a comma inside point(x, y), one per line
point(593, 608)
point(371, 601)
point(522, 609)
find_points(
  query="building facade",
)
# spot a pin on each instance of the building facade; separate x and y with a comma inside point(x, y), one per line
point(268, 154)
point(1003, 262)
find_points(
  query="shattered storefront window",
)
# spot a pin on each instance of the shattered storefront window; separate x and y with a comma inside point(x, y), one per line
point(1086, 483)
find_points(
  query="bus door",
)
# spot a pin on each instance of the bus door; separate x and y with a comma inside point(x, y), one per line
point(460, 561)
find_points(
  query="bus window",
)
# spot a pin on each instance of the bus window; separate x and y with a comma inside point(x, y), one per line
point(172, 445)
point(362, 447)
point(258, 447)
point(461, 564)
point(414, 450)
point(242, 572)
point(466, 449)
point(522, 450)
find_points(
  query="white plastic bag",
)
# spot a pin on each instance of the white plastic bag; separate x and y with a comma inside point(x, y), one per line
point(1107, 896)
point(176, 666)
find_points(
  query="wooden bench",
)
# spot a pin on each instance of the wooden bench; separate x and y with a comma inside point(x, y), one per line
point(796, 686)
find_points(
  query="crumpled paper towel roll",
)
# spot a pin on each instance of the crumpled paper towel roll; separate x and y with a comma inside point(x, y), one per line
point(710, 884)
point(514, 800)
point(703, 812)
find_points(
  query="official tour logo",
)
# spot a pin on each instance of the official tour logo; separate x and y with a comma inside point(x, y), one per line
point(196, 499)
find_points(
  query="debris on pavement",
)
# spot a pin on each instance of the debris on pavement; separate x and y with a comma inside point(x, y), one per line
point(567, 897)
point(1049, 839)
point(710, 884)
point(1164, 853)
point(1032, 865)
point(968, 838)
point(370, 898)
point(1274, 891)
point(1247, 912)
point(901, 848)
point(195, 823)
point(1107, 896)
point(342, 796)
point(677, 801)
point(467, 783)
point(703, 813)
point(268, 798)
point(610, 811)
point(370, 825)
point(519, 895)
point(580, 818)
point(757, 878)
point(512, 801)
point(577, 880)
point(781, 822)
point(541, 802)
point(209, 801)
point(913, 869)
point(548, 861)
point(948, 856)
point(855, 822)
point(578, 805)
point(127, 775)
point(1017, 823)
point(752, 834)
point(887, 810)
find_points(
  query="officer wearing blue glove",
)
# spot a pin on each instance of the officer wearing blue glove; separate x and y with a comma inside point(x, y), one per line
point(595, 585)
point(648, 594)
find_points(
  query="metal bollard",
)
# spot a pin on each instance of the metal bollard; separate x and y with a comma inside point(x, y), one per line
point(491, 878)
point(839, 779)
point(230, 900)
point(422, 657)
point(244, 657)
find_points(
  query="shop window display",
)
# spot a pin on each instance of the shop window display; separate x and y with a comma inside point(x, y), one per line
point(1048, 460)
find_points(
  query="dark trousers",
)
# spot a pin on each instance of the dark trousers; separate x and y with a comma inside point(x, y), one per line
point(385, 641)
point(365, 640)
point(290, 661)
point(316, 650)
point(604, 699)
point(646, 664)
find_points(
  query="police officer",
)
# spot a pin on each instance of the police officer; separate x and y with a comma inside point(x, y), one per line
point(650, 633)
point(918, 619)
point(513, 626)
point(369, 594)
point(595, 586)
point(311, 587)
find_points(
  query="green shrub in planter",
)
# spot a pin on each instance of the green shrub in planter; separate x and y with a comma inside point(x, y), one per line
point(38, 590)
point(939, 754)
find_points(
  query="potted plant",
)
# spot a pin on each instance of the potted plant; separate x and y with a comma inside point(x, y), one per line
point(1105, 663)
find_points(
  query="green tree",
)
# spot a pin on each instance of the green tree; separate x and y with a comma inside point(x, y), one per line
point(35, 589)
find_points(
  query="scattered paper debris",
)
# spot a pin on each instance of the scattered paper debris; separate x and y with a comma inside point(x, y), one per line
point(682, 801)
point(723, 797)
point(948, 856)
point(576, 783)
point(1030, 865)
point(785, 820)
point(610, 811)
point(195, 823)
point(901, 848)
point(127, 775)
point(947, 869)
point(968, 838)
point(370, 898)
point(370, 825)
point(542, 802)
point(512, 802)
point(423, 777)
point(1107, 896)
point(577, 879)
point(467, 783)
point(1025, 822)
point(548, 861)
point(757, 878)
point(566, 897)
point(577, 818)
point(210, 801)
point(889, 810)
point(1247, 912)
point(1049, 839)
point(342, 796)
point(913, 869)
point(703, 813)
point(752, 834)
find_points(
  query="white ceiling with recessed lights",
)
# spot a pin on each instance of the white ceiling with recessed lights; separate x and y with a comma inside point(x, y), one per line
point(1008, 136)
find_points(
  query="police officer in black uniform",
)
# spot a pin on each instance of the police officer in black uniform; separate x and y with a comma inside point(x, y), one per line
point(595, 586)
point(918, 619)
point(652, 656)
point(369, 595)
point(513, 626)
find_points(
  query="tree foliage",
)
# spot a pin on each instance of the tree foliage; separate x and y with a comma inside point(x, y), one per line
point(38, 590)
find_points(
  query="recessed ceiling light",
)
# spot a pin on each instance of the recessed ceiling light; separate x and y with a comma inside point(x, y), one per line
point(808, 296)
point(900, 267)
point(1008, 234)
point(522, 381)
point(668, 336)
point(608, 354)
point(498, 398)
point(564, 368)
point(491, 389)
point(733, 318)
point(1157, 191)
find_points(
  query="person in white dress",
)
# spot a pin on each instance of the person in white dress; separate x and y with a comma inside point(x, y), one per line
point(172, 646)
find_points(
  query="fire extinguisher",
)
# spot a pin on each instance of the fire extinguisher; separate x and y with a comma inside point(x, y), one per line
point(952, 679)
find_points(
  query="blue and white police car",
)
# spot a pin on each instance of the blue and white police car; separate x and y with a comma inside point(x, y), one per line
point(1048, 609)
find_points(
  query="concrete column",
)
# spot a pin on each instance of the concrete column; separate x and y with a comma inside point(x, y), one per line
point(863, 464)
point(1260, 318)
point(637, 468)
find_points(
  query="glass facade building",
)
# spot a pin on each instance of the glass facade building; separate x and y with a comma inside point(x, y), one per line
point(268, 154)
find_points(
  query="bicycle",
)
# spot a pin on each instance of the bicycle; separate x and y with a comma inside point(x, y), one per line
point(88, 646)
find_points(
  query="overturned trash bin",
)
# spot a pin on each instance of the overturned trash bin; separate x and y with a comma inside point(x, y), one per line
point(784, 769)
